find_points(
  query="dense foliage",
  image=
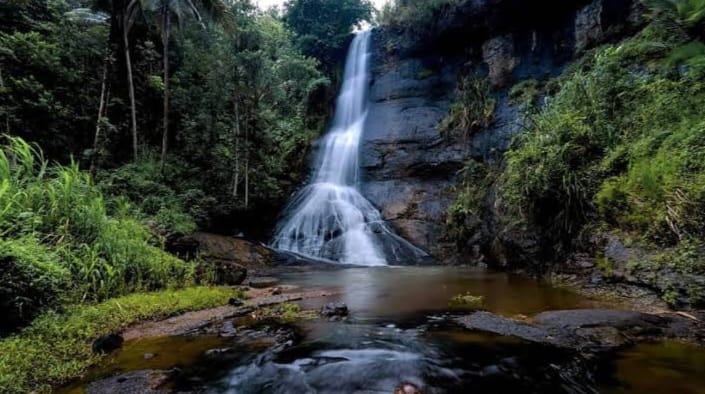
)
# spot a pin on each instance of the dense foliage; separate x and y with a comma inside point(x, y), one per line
point(322, 27)
point(225, 90)
point(618, 148)
point(472, 109)
point(50, 69)
point(164, 117)
point(620, 139)
point(59, 244)
point(410, 14)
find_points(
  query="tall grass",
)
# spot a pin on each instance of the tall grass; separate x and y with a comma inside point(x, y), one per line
point(472, 109)
point(55, 217)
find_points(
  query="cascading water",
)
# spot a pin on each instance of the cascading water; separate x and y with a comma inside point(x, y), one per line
point(329, 218)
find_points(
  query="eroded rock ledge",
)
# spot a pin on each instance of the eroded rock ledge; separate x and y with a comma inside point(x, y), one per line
point(410, 167)
point(589, 330)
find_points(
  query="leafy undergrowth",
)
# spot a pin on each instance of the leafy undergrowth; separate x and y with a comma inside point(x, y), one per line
point(60, 243)
point(621, 143)
point(56, 347)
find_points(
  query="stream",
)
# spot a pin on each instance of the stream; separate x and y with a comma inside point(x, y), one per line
point(398, 332)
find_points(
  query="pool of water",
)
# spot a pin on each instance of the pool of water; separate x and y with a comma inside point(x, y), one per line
point(397, 333)
point(375, 294)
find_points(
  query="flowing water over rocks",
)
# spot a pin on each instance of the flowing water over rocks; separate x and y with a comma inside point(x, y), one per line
point(329, 218)
point(401, 329)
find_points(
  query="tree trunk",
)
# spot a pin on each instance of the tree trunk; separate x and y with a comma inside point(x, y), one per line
point(236, 177)
point(131, 90)
point(165, 59)
point(247, 165)
point(101, 107)
point(7, 116)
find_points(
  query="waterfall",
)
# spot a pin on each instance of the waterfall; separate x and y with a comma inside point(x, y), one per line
point(329, 218)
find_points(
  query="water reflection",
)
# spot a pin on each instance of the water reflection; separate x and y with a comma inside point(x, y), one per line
point(397, 292)
point(396, 333)
point(661, 367)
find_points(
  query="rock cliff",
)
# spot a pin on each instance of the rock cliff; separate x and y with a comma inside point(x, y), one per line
point(411, 167)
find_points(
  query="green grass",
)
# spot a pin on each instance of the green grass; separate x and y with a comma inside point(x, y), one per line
point(56, 347)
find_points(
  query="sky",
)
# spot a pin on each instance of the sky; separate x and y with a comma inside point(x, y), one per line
point(264, 4)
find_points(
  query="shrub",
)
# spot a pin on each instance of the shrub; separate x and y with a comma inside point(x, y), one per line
point(475, 179)
point(62, 209)
point(473, 108)
point(525, 94)
point(31, 280)
point(615, 136)
point(173, 208)
point(466, 301)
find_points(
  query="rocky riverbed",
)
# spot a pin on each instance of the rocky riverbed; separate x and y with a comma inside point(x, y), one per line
point(372, 330)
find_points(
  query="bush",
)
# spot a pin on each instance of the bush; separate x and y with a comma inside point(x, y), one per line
point(472, 110)
point(62, 209)
point(463, 217)
point(144, 186)
point(31, 280)
point(621, 141)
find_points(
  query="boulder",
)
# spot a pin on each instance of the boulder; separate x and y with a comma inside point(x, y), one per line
point(261, 282)
point(407, 388)
point(237, 250)
point(226, 260)
point(107, 343)
point(500, 325)
point(222, 272)
point(587, 329)
point(334, 309)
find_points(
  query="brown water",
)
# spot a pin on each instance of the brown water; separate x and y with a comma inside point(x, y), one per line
point(662, 367)
point(396, 292)
point(397, 333)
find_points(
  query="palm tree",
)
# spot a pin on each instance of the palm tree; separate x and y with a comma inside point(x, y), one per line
point(179, 9)
point(125, 13)
point(127, 17)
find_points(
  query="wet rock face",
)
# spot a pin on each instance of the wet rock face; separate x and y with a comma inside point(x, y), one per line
point(588, 25)
point(406, 162)
point(409, 167)
point(498, 54)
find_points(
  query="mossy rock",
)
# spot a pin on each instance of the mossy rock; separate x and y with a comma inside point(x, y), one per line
point(466, 301)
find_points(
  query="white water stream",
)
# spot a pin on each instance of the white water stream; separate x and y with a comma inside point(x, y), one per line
point(329, 218)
